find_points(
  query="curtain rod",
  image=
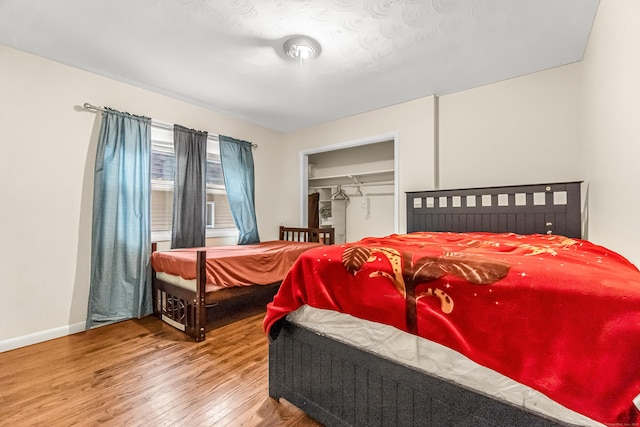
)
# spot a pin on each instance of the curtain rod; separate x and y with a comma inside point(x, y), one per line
point(88, 106)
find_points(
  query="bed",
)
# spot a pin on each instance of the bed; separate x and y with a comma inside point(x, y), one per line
point(188, 282)
point(343, 367)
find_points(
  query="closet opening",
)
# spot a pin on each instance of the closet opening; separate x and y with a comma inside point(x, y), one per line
point(352, 187)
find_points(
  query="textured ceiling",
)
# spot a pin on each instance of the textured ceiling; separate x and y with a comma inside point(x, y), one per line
point(227, 54)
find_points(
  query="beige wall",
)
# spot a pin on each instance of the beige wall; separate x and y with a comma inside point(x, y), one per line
point(412, 122)
point(47, 154)
point(520, 131)
point(611, 133)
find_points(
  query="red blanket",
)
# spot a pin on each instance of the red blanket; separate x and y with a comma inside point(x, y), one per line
point(559, 315)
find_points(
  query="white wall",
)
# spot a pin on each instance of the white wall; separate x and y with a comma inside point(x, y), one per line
point(611, 129)
point(47, 154)
point(370, 214)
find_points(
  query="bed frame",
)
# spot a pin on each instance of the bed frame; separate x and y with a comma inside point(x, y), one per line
point(340, 385)
point(523, 209)
point(186, 310)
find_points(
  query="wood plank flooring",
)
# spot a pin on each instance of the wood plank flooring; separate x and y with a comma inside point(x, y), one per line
point(145, 373)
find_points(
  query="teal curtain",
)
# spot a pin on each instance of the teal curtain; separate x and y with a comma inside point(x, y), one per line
point(120, 285)
point(237, 167)
point(188, 229)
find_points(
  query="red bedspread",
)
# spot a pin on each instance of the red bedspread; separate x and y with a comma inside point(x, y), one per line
point(559, 315)
point(227, 266)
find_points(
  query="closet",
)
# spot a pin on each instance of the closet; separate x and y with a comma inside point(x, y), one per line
point(356, 190)
point(332, 210)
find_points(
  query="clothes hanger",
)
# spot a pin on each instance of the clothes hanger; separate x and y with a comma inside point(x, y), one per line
point(340, 195)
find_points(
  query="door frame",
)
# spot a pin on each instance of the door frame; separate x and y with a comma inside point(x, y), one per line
point(304, 170)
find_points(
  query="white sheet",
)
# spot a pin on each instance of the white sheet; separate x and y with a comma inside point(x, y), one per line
point(183, 283)
point(433, 358)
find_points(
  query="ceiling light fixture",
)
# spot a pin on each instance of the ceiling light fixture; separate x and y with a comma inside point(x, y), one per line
point(301, 48)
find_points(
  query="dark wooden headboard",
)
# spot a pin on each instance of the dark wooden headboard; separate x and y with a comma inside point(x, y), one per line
point(296, 234)
point(523, 209)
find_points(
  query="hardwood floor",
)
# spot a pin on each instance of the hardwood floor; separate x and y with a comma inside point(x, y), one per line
point(145, 373)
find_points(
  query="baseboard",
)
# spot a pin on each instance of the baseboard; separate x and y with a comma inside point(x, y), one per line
point(42, 336)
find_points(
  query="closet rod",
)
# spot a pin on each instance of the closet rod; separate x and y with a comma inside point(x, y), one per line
point(374, 194)
point(369, 184)
point(159, 123)
point(362, 184)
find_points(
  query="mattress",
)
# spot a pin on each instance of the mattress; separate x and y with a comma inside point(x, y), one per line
point(188, 284)
point(432, 358)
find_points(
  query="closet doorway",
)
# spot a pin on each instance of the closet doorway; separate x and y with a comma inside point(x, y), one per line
point(353, 186)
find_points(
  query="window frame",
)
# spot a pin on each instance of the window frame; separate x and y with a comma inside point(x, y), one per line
point(210, 222)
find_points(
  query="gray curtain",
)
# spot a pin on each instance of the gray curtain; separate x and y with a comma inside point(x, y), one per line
point(188, 227)
point(120, 283)
point(237, 167)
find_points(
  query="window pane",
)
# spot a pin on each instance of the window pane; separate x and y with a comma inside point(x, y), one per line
point(162, 172)
point(163, 166)
point(222, 212)
point(161, 210)
point(214, 171)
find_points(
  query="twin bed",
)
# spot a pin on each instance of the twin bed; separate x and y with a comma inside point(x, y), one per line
point(432, 328)
point(188, 282)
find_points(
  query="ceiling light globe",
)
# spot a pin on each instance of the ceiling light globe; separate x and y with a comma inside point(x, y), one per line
point(301, 48)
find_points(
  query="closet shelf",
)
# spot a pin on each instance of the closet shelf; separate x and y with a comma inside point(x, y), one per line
point(361, 177)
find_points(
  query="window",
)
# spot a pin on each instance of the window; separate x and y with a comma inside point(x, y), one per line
point(219, 220)
point(210, 218)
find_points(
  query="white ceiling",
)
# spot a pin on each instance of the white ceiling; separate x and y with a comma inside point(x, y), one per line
point(226, 55)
